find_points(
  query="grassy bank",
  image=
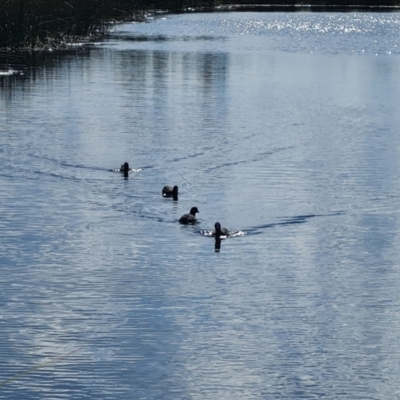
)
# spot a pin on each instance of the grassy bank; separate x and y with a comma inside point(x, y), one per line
point(51, 23)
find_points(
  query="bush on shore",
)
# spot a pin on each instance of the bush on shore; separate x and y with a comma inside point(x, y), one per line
point(41, 23)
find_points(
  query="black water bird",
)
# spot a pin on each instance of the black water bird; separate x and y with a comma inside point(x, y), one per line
point(219, 230)
point(125, 169)
point(169, 191)
point(189, 218)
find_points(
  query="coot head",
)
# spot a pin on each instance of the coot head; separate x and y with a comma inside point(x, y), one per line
point(193, 211)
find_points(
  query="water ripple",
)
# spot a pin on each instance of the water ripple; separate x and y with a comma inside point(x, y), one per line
point(296, 152)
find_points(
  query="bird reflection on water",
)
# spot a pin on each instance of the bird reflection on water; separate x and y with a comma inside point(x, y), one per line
point(217, 246)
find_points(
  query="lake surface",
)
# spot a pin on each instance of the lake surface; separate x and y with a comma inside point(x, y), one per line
point(285, 127)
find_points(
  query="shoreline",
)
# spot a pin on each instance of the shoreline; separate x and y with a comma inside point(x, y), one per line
point(262, 7)
point(7, 54)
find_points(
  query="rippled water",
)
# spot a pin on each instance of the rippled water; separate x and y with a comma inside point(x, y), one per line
point(284, 127)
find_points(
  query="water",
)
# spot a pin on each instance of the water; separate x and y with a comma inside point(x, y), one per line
point(283, 127)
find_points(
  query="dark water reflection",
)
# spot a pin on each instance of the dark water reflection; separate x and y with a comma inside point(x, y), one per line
point(281, 126)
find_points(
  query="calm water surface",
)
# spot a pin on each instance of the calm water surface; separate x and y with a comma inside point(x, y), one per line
point(282, 126)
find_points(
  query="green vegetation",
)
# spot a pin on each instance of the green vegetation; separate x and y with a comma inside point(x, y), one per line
point(50, 23)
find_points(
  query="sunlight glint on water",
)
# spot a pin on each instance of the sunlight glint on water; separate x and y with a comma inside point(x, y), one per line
point(283, 127)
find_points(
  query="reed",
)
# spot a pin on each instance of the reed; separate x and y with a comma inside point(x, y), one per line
point(37, 23)
point(41, 23)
